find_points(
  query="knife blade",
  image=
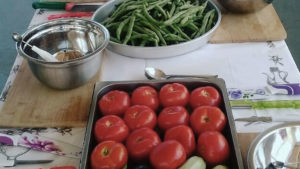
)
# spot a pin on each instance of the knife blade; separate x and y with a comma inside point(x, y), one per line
point(68, 6)
point(266, 119)
point(42, 143)
point(11, 163)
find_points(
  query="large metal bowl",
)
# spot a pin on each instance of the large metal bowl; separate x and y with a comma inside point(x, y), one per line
point(276, 144)
point(244, 6)
point(155, 52)
point(87, 37)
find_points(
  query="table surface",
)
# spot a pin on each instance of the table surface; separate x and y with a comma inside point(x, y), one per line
point(17, 20)
point(16, 15)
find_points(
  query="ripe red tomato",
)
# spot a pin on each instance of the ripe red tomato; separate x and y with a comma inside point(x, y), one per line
point(213, 147)
point(184, 135)
point(168, 155)
point(140, 143)
point(207, 118)
point(111, 127)
point(205, 96)
point(109, 155)
point(114, 102)
point(145, 95)
point(174, 94)
point(139, 116)
point(172, 116)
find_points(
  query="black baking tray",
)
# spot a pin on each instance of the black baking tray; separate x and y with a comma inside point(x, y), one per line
point(235, 161)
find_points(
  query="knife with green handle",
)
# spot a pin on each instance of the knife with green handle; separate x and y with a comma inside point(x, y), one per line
point(68, 6)
point(244, 104)
point(49, 5)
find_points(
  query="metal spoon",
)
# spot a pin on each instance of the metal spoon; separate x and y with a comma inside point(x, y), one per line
point(154, 73)
point(44, 54)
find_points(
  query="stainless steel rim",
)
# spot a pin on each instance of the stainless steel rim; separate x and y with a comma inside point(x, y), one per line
point(262, 135)
point(69, 62)
point(174, 45)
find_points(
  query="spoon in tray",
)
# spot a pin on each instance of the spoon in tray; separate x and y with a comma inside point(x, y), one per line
point(44, 54)
point(154, 73)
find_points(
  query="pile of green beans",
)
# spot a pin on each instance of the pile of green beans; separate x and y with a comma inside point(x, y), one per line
point(159, 22)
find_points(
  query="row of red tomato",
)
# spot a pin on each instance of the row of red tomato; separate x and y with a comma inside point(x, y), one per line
point(143, 143)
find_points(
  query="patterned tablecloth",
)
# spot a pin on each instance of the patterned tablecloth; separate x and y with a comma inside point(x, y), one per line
point(247, 68)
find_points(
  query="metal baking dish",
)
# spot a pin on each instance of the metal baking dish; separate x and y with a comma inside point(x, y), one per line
point(235, 161)
point(155, 52)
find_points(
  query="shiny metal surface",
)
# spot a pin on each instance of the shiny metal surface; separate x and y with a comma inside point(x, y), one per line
point(244, 6)
point(154, 73)
point(275, 145)
point(101, 88)
point(87, 37)
point(155, 52)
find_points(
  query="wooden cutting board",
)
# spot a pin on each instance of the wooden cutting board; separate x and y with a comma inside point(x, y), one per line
point(260, 26)
point(263, 25)
point(31, 104)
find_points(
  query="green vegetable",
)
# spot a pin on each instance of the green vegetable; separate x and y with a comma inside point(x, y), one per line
point(125, 167)
point(220, 167)
point(194, 162)
point(267, 104)
point(159, 23)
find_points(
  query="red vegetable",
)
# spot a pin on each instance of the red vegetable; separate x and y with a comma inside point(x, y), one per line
point(213, 147)
point(168, 155)
point(140, 143)
point(205, 96)
point(110, 127)
point(207, 118)
point(173, 116)
point(139, 116)
point(114, 102)
point(109, 155)
point(174, 94)
point(184, 135)
point(145, 95)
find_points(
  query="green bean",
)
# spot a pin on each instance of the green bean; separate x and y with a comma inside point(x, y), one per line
point(115, 39)
point(204, 23)
point(174, 18)
point(143, 43)
point(193, 27)
point(160, 3)
point(173, 37)
point(159, 8)
point(146, 31)
point(212, 16)
point(129, 31)
point(172, 9)
point(149, 17)
point(119, 30)
point(181, 33)
point(155, 23)
point(157, 31)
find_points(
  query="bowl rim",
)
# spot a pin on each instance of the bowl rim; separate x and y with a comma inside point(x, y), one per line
point(72, 61)
point(263, 135)
point(167, 46)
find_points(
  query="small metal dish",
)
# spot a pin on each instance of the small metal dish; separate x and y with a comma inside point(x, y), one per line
point(275, 145)
point(80, 37)
point(160, 51)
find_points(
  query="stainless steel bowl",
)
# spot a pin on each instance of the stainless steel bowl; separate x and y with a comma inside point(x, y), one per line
point(155, 52)
point(244, 6)
point(276, 144)
point(58, 36)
